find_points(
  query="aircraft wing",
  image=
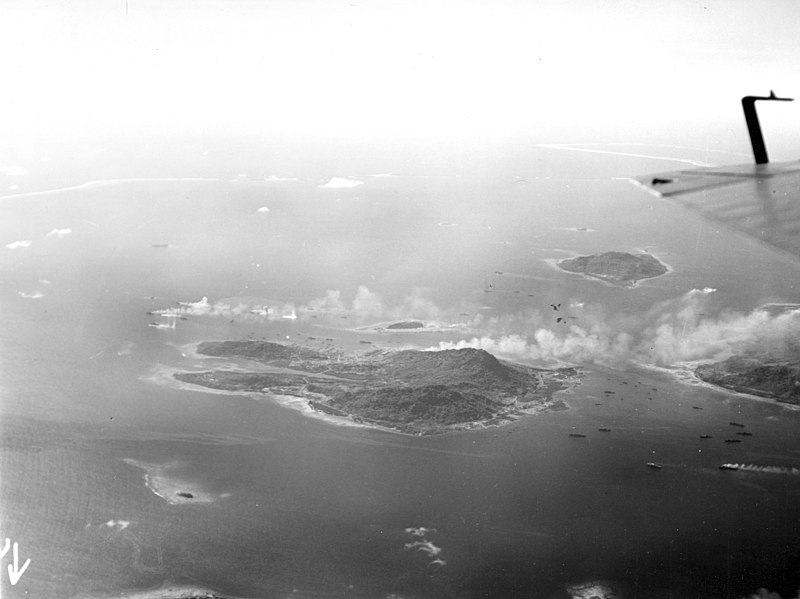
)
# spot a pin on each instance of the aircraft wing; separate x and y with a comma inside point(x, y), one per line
point(760, 200)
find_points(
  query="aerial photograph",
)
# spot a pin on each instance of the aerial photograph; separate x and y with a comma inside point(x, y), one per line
point(400, 299)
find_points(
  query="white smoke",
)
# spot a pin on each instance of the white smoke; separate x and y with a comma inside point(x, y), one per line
point(687, 328)
point(680, 330)
point(332, 302)
point(690, 333)
point(239, 309)
point(576, 345)
point(367, 304)
point(206, 308)
point(764, 469)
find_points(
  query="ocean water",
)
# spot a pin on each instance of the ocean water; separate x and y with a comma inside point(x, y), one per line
point(305, 508)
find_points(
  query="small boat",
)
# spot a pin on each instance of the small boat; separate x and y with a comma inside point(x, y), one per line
point(604, 430)
point(729, 467)
point(737, 424)
point(654, 466)
point(577, 435)
point(705, 436)
point(745, 434)
point(696, 408)
point(733, 440)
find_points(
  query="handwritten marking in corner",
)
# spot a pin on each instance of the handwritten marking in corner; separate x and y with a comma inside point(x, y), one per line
point(14, 571)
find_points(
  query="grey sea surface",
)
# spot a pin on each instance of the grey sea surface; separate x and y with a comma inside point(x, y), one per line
point(92, 439)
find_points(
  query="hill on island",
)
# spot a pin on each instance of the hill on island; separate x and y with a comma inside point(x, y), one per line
point(413, 391)
point(262, 351)
point(615, 267)
point(450, 366)
point(777, 379)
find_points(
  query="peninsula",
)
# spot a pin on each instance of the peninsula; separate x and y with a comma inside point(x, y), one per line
point(619, 268)
point(409, 391)
point(778, 379)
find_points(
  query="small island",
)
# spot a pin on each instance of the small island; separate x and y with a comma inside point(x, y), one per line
point(619, 268)
point(406, 324)
point(408, 391)
point(777, 379)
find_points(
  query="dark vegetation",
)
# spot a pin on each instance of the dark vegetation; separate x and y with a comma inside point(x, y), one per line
point(412, 391)
point(776, 379)
point(616, 267)
point(407, 324)
point(263, 351)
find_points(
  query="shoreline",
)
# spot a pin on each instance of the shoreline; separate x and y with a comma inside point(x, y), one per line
point(162, 375)
point(382, 328)
point(554, 264)
point(165, 591)
point(109, 182)
point(684, 373)
point(174, 491)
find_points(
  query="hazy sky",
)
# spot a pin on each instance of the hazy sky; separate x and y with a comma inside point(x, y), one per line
point(393, 68)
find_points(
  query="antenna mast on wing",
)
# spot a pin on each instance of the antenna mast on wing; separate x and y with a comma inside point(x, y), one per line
point(754, 128)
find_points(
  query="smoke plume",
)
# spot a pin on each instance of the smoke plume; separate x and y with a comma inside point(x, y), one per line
point(685, 329)
point(688, 328)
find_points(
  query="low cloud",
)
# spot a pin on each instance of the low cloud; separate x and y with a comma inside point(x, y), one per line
point(13, 170)
point(34, 295)
point(59, 233)
point(341, 183)
point(118, 524)
point(15, 245)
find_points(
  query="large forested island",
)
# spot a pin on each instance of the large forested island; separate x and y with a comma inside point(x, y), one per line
point(619, 268)
point(416, 392)
point(766, 377)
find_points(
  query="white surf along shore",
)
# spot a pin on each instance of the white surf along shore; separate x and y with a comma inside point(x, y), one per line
point(172, 489)
point(163, 375)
